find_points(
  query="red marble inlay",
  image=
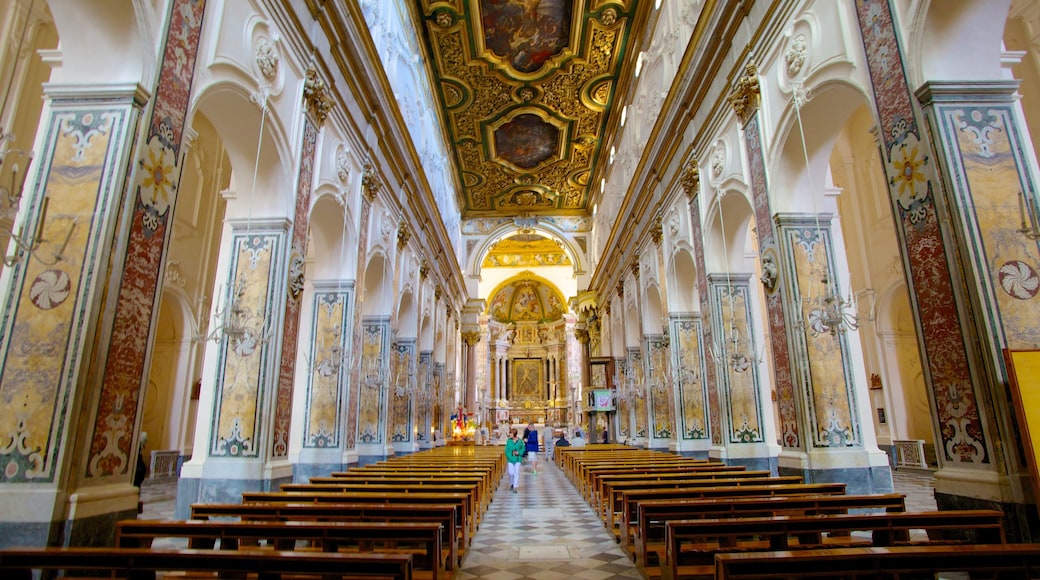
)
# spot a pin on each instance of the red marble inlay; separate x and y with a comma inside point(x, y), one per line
point(710, 379)
point(355, 374)
point(138, 291)
point(963, 438)
point(782, 374)
point(291, 323)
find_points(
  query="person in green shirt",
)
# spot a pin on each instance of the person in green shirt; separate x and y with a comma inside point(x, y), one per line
point(514, 457)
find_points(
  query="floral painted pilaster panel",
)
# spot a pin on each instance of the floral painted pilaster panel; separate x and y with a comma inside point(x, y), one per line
point(154, 192)
point(995, 197)
point(912, 184)
point(46, 314)
point(291, 321)
point(403, 385)
point(375, 362)
point(661, 394)
point(689, 373)
point(244, 367)
point(738, 354)
point(326, 379)
point(828, 395)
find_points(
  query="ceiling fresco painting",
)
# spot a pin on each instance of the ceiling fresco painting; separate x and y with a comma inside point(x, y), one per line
point(526, 251)
point(526, 88)
point(526, 299)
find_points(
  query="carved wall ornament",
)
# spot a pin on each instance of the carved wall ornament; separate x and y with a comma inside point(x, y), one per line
point(691, 179)
point(424, 270)
point(316, 95)
point(795, 55)
point(173, 275)
point(342, 164)
point(609, 17)
point(673, 223)
point(437, 292)
point(746, 95)
point(404, 233)
point(267, 58)
point(620, 289)
point(718, 160)
point(386, 227)
point(770, 270)
point(635, 267)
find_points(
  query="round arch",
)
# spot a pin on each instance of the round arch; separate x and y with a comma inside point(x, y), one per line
point(524, 276)
point(682, 279)
point(506, 230)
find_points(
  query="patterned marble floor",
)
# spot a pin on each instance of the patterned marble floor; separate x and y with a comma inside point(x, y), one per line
point(546, 530)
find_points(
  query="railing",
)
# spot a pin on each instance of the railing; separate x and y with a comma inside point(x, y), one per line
point(164, 464)
point(910, 453)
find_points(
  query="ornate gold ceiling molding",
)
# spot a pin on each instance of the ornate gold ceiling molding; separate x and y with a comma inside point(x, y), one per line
point(526, 90)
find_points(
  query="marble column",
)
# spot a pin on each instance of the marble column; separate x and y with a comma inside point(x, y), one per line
point(957, 288)
point(79, 315)
point(984, 152)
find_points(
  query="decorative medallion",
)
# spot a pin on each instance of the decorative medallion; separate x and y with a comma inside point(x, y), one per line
point(267, 58)
point(342, 164)
point(50, 289)
point(1019, 280)
point(794, 56)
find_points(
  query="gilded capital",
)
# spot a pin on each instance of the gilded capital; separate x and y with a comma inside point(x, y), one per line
point(471, 337)
point(746, 94)
point(657, 230)
point(404, 233)
point(370, 183)
point(582, 335)
point(691, 180)
point(316, 95)
point(424, 271)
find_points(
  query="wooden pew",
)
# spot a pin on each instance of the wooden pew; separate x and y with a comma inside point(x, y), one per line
point(600, 473)
point(609, 493)
point(446, 515)
point(613, 493)
point(482, 481)
point(350, 486)
point(141, 563)
point(467, 524)
point(631, 498)
point(1005, 561)
point(648, 529)
point(691, 545)
point(328, 536)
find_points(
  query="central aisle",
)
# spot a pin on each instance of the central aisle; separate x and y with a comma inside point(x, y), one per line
point(544, 531)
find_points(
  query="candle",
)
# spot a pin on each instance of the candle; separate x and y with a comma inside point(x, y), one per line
point(1022, 209)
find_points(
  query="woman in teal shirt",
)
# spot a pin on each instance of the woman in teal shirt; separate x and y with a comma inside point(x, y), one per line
point(514, 456)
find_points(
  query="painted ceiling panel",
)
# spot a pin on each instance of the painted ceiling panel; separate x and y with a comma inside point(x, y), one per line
point(526, 88)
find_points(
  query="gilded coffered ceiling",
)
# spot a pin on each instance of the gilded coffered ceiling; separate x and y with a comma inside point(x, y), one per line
point(526, 89)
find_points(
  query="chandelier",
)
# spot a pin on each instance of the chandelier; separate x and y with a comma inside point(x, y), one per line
point(829, 312)
point(404, 382)
point(244, 328)
point(375, 377)
point(331, 359)
point(731, 349)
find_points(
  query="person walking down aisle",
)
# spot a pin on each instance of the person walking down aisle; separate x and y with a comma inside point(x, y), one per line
point(514, 457)
point(532, 447)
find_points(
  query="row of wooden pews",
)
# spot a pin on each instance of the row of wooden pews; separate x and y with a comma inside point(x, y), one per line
point(406, 517)
point(687, 518)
